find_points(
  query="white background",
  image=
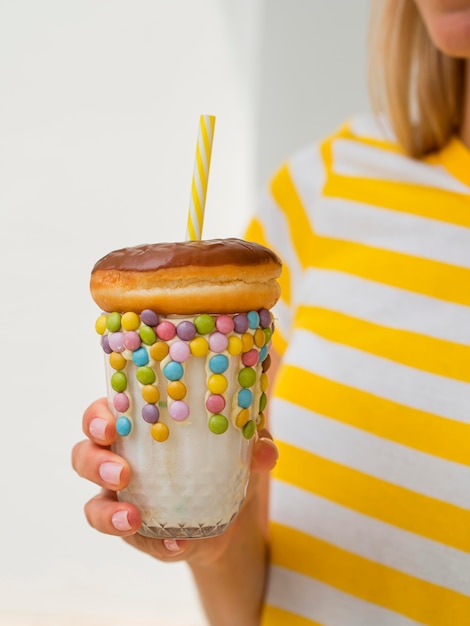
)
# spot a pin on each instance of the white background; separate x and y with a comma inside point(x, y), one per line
point(99, 108)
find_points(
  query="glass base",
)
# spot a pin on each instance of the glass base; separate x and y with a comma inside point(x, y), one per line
point(184, 532)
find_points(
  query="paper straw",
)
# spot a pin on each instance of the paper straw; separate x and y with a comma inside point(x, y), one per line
point(200, 177)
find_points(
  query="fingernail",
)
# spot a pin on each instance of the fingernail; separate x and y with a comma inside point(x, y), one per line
point(110, 472)
point(97, 428)
point(120, 521)
point(173, 546)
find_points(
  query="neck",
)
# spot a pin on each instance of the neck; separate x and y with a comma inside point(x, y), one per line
point(465, 127)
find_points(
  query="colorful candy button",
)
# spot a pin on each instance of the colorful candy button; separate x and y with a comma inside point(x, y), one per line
point(218, 423)
point(116, 341)
point(140, 357)
point(263, 381)
point(204, 323)
point(121, 402)
point(150, 413)
point(105, 344)
point(149, 317)
point(263, 401)
point(240, 323)
point(130, 321)
point(117, 361)
point(244, 398)
point(123, 426)
point(253, 319)
point(268, 333)
point(266, 363)
point(178, 410)
point(199, 346)
point(217, 383)
point(150, 394)
point(218, 342)
point(173, 370)
point(176, 390)
point(160, 432)
point(250, 358)
point(218, 364)
point(265, 318)
point(235, 345)
point(132, 340)
point(247, 377)
point(260, 421)
point(100, 324)
point(263, 353)
point(159, 350)
point(259, 337)
point(242, 418)
point(119, 381)
point(179, 351)
point(145, 375)
point(224, 324)
point(247, 342)
point(249, 429)
point(215, 403)
point(113, 323)
point(186, 330)
point(166, 330)
point(147, 334)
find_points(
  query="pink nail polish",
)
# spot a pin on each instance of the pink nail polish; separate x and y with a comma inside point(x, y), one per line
point(120, 521)
point(97, 428)
point(172, 545)
point(110, 472)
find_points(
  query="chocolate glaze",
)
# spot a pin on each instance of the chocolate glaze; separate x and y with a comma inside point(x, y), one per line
point(211, 252)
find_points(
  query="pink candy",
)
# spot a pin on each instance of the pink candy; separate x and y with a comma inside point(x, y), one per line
point(178, 410)
point(250, 358)
point(166, 330)
point(218, 342)
point(121, 402)
point(224, 324)
point(132, 340)
point(179, 351)
point(215, 403)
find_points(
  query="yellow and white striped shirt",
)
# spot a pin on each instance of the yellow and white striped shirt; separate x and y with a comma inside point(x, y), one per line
point(370, 502)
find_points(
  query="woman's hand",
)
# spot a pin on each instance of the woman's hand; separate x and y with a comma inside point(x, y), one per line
point(93, 460)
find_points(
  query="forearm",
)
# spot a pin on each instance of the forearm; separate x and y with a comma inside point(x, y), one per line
point(232, 587)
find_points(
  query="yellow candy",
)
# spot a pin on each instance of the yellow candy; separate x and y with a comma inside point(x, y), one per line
point(117, 361)
point(235, 345)
point(264, 381)
point(199, 346)
point(176, 390)
point(260, 338)
point(159, 431)
point(150, 394)
point(100, 324)
point(159, 350)
point(247, 342)
point(217, 383)
point(261, 421)
point(130, 321)
point(242, 418)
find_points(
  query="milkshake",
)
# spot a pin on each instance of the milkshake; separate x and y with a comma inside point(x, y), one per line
point(186, 330)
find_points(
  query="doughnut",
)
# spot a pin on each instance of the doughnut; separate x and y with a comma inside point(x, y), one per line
point(190, 277)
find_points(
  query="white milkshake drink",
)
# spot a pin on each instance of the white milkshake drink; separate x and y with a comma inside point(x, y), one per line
point(186, 375)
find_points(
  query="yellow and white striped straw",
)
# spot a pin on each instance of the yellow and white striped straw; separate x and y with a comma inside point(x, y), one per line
point(200, 177)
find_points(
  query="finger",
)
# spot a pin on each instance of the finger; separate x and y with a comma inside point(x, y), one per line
point(99, 424)
point(106, 514)
point(100, 465)
point(265, 454)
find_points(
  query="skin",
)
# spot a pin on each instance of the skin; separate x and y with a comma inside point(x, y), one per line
point(230, 570)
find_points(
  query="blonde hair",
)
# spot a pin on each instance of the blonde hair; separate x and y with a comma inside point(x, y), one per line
point(417, 87)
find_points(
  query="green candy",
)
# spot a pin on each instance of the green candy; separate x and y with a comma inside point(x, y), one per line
point(113, 322)
point(119, 381)
point(263, 401)
point(249, 429)
point(147, 335)
point(268, 333)
point(218, 423)
point(204, 323)
point(247, 377)
point(145, 375)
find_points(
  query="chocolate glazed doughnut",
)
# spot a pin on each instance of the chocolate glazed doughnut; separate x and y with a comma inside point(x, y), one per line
point(216, 276)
